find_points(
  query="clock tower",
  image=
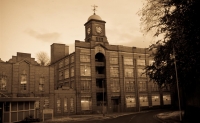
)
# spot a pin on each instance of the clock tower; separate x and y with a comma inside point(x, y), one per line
point(95, 29)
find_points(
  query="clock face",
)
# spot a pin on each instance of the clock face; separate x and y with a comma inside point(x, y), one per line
point(98, 29)
point(88, 31)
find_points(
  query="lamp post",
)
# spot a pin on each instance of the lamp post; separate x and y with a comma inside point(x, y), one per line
point(179, 104)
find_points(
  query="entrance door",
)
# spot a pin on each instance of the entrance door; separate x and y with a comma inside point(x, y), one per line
point(1, 112)
point(115, 105)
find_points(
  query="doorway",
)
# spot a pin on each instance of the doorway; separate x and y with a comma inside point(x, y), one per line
point(115, 105)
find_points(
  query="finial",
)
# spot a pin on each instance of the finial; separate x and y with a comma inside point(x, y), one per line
point(94, 8)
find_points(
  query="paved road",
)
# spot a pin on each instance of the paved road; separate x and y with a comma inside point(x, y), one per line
point(148, 117)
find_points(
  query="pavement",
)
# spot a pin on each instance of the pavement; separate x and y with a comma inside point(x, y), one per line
point(166, 117)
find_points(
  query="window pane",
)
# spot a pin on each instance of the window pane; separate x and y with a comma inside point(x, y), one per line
point(141, 73)
point(58, 106)
point(85, 85)
point(113, 60)
point(71, 105)
point(3, 83)
point(144, 101)
point(85, 70)
point(142, 86)
point(72, 71)
point(167, 99)
point(114, 72)
point(128, 72)
point(130, 101)
point(128, 61)
point(141, 62)
point(46, 103)
point(115, 87)
point(66, 73)
point(129, 84)
point(66, 61)
point(65, 104)
point(86, 103)
point(84, 58)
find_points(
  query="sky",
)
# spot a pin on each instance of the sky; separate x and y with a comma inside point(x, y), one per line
point(31, 26)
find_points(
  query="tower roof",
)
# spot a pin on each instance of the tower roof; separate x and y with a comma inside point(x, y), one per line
point(95, 17)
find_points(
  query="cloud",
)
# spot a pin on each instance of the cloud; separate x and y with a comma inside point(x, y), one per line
point(46, 37)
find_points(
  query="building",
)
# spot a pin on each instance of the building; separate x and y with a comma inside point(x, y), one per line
point(96, 78)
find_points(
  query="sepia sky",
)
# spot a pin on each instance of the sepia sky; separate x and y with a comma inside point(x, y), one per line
point(31, 26)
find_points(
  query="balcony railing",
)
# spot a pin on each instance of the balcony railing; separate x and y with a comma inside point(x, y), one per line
point(99, 64)
point(100, 75)
point(98, 89)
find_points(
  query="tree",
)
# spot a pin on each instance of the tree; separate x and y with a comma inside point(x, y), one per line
point(177, 22)
point(43, 58)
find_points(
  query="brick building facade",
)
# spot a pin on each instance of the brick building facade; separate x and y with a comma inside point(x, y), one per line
point(96, 74)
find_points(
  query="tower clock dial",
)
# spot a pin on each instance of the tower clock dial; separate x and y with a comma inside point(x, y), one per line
point(98, 29)
point(88, 30)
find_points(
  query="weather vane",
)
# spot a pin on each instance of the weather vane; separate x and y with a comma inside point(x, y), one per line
point(94, 8)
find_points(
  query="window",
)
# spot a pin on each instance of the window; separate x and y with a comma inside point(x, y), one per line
point(155, 100)
point(113, 60)
point(128, 72)
point(58, 106)
point(72, 83)
point(142, 86)
point(115, 87)
point(129, 86)
point(141, 72)
point(46, 103)
point(37, 104)
point(154, 87)
point(85, 70)
point(144, 101)
point(166, 87)
point(85, 85)
point(114, 72)
point(66, 73)
point(128, 61)
point(84, 58)
point(141, 62)
point(86, 103)
point(130, 101)
point(65, 104)
point(41, 84)
point(3, 82)
point(72, 71)
point(66, 61)
point(71, 104)
point(166, 99)
point(60, 75)
point(23, 81)
point(72, 59)
point(60, 64)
